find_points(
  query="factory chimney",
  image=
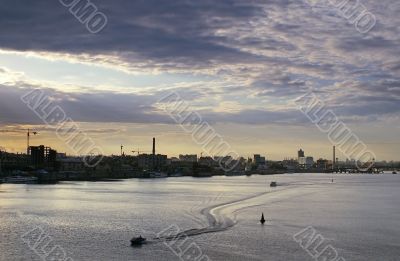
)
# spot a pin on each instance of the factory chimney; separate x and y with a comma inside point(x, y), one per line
point(154, 146)
point(334, 157)
point(154, 154)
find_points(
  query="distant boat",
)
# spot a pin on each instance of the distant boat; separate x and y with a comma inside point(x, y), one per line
point(138, 241)
point(262, 220)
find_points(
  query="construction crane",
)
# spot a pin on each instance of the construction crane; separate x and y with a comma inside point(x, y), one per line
point(138, 151)
point(28, 135)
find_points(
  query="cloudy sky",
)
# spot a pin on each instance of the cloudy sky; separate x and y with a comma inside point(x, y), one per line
point(241, 64)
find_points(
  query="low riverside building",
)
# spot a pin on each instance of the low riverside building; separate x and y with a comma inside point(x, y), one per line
point(324, 164)
point(10, 162)
point(71, 164)
point(188, 158)
point(150, 161)
point(306, 162)
point(291, 165)
point(207, 161)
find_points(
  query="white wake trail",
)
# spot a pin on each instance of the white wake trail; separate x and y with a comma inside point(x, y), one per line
point(222, 217)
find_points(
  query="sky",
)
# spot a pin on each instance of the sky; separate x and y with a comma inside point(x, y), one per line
point(240, 64)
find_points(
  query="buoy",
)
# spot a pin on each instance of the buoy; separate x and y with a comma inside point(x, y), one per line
point(262, 221)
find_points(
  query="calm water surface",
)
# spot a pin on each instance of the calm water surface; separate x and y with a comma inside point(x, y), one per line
point(359, 215)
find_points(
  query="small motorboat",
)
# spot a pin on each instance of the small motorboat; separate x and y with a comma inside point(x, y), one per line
point(138, 241)
point(273, 184)
point(262, 220)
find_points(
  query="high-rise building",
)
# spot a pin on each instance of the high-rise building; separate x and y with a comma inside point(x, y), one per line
point(37, 156)
point(258, 160)
point(300, 154)
point(43, 157)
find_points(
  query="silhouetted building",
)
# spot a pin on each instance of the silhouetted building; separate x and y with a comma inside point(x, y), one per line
point(306, 162)
point(290, 164)
point(10, 162)
point(207, 161)
point(188, 158)
point(258, 160)
point(43, 157)
point(323, 164)
point(71, 164)
point(152, 162)
point(37, 156)
point(300, 154)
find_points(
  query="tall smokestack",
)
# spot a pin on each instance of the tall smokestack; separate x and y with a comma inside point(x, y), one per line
point(334, 157)
point(154, 146)
point(154, 155)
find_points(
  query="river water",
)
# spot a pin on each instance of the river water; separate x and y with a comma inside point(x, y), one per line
point(358, 215)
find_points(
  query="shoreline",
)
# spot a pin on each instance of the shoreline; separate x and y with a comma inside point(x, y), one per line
point(53, 180)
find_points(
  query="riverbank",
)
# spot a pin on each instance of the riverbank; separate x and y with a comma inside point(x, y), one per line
point(54, 177)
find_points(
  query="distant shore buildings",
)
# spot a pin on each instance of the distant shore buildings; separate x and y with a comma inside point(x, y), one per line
point(50, 165)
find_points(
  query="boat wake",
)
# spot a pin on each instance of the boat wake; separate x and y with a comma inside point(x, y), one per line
point(221, 217)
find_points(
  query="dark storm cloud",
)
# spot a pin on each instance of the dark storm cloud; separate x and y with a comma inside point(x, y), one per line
point(183, 32)
point(270, 49)
point(158, 30)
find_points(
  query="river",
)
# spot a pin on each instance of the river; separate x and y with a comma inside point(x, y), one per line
point(358, 215)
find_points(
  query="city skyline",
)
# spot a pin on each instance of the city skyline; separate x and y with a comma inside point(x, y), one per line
point(182, 142)
point(125, 150)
